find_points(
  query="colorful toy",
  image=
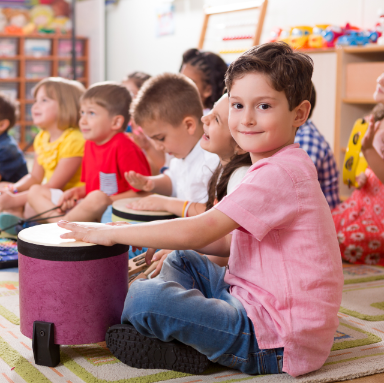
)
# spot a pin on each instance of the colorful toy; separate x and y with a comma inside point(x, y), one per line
point(330, 35)
point(299, 37)
point(353, 38)
point(8, 253)
point(354, 161)
point(42, 17)
point(3, 20)
point(316, 40)
point(275, 34)
point(285, 35)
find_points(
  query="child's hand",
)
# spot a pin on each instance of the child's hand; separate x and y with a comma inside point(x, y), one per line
point(139, 181)
point(159, 256)
point(100, 235)
point(68, 200)
point(361, 180)
point(367, 141)
point(5, 199)
point(152, 203)
point(140, 138)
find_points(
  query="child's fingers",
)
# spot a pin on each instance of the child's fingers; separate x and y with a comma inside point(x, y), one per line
point(149, 254)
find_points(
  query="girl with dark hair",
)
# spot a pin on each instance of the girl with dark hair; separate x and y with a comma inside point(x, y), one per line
point(207, 71)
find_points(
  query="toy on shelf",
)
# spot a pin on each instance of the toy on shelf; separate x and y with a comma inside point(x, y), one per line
point(353, 38)
point(315, 40)
point(354, 161)
point(331, 34)
point(285, 35)
point(275, 34)
point(299, 37)
point(17, 20)
point(231, 51)
point(240, 37)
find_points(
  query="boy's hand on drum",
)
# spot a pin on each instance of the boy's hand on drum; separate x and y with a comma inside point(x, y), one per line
point(367, 141)
point(152, 203)
point(100, 235)
point(361, 180)
point(139, 181)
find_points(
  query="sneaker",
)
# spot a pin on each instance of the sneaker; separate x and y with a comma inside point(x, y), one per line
point(7, 220)
point(139, 351)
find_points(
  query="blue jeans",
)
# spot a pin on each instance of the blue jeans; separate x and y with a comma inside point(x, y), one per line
point(190, 302)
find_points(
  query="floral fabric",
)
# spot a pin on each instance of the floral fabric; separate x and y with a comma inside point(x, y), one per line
point(359, 223)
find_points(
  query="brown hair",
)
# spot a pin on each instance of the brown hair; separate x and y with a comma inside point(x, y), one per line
point(217, 186)
point(138, 78)
point(112, 96)
point(8, 110)
point(287, 70)
point(378, 112)
point(169, 98)
point(312, 100)
point(67, 93)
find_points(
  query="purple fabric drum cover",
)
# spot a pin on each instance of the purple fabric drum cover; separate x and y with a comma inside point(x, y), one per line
point(80, 289)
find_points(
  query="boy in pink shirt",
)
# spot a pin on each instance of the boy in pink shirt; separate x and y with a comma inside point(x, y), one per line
point(274, 307)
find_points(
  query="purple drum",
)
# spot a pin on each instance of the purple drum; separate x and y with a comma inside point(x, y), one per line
point(78, 288)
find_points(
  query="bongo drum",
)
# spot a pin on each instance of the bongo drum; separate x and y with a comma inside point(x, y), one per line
point(121, 213)
point(71, 292)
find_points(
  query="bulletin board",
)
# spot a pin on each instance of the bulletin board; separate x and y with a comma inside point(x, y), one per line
point(231, 29)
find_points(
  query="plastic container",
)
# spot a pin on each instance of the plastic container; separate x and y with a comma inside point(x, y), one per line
point(8, 47)
point(65, 69)
point(9, 69)
point(37, 47)
point(65, 48)
point(38, 69)
point(10, 89)
point(29, 90)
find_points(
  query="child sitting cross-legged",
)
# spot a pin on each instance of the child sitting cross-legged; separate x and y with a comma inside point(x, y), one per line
point(274, 308)
point(108, 154)
point(169, 110)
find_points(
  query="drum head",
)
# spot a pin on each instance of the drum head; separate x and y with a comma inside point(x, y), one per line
point(120, 210)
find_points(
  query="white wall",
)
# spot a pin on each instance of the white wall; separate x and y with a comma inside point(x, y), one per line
point(131, 43)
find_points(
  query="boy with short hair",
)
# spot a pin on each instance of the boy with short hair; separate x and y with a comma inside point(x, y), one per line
point(108, 154)
point(318, 149)
point(169, 110)
point(12, 162)
point(274, 308)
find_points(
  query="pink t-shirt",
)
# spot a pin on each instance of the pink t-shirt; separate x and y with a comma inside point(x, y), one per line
point(285, 264)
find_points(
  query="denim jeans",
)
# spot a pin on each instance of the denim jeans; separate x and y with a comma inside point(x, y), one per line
point(190, 302)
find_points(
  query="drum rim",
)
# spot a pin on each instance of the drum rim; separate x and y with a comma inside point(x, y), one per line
point(141, 217)
point(69, 254)
point(140, 213)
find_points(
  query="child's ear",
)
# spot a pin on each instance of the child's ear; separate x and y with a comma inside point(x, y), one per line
point(191, 125)
point(4, 124)
point(302, 113)
point(117, 122)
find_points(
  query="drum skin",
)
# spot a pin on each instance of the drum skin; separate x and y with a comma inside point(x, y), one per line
point(83, 298)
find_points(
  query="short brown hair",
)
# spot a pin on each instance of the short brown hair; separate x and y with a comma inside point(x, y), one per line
point(67, 93)
point(138, 78)
point(167, 97)
point(8, 110)
point(112, 96)
point(287, 70)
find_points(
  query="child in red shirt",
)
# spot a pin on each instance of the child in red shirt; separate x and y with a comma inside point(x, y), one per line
point(108, 154)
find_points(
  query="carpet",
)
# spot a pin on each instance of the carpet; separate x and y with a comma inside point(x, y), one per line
point(358, 348)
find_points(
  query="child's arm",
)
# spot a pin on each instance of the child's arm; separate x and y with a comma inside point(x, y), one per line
point(65, 170)
point(160, 184)
point(172, 205)
point(206, 232)
point(375, 162)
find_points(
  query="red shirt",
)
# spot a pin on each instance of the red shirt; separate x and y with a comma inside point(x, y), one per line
point(104, 165)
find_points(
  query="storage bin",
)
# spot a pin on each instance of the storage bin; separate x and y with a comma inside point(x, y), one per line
point(361, 79)
point(65, 48)
point(65, 69)
point(8, 47)
point(29, 90)
point(15, 133)
point(9, 69)
point(10, 89)
point(38, 69)
point(37, 47)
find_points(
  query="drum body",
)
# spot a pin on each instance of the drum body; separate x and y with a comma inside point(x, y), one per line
point(77, 286)
point(121, 213)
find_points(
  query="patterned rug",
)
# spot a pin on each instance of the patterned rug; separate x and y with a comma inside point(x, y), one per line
point(358, 349)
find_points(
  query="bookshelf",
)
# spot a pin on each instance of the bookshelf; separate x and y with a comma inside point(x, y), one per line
point(25, 60)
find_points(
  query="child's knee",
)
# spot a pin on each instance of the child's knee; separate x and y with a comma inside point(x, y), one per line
point(98, 197)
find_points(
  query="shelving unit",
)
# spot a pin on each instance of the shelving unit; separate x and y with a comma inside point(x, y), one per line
point(357, 71)
point(31, 68)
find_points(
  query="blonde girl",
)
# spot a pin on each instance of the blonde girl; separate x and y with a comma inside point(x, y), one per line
point(59, 147)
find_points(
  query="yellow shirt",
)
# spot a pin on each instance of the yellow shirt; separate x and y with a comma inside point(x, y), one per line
point(69, 144)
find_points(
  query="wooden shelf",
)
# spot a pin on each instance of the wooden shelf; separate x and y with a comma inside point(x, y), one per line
point(318, 50)
point(364, 49)
point(22, 85)
point(359, 101)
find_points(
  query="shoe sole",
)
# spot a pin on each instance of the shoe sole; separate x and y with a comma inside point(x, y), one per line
point(139, 351)
point(7, 220)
